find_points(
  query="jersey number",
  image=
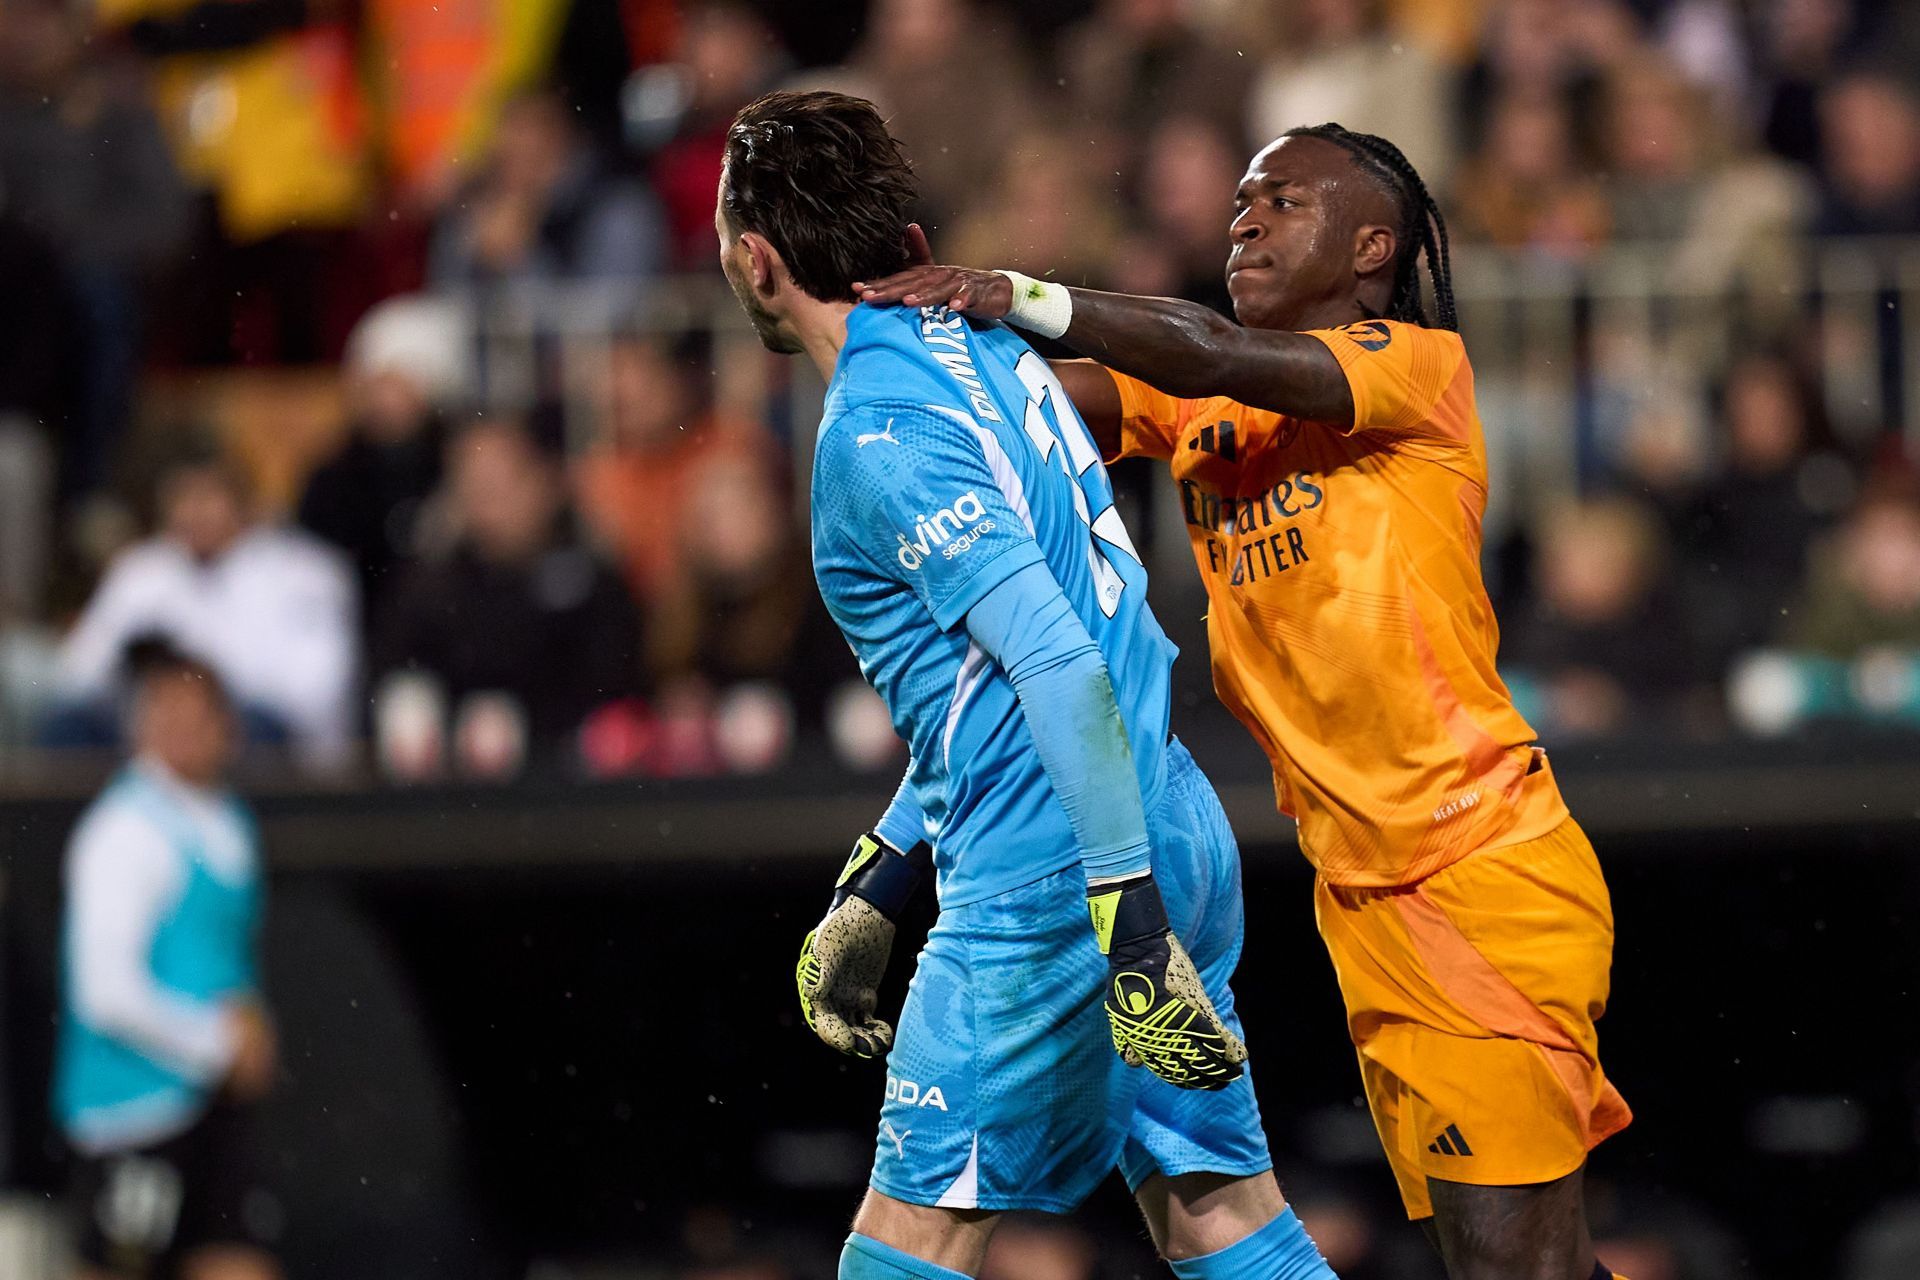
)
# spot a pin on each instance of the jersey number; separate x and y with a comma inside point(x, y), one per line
point(1077, 456)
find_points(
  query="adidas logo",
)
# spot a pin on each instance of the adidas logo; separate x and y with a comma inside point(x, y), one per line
point(1450, 1143)
point(1206, 440)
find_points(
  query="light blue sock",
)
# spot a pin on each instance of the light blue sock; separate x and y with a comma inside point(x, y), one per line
point(1281, 1250)
point(865, 1258)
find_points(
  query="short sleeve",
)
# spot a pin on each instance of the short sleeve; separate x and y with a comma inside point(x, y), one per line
point(1150, 420)
point(912, 492)
point(1399, 375)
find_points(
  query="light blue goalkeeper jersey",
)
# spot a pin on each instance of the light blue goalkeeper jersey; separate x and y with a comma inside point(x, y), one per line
point(948, 459)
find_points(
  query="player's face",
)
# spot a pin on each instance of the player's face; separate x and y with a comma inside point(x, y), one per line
point(1292, 242)
point(737, 265)
point(187, 726)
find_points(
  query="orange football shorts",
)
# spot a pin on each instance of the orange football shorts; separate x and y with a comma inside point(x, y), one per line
point(1472, 996)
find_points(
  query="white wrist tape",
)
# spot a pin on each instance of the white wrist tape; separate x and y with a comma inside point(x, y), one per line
point(1038, 306)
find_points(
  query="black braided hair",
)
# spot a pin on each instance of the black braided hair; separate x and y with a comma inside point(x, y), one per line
point(1421, 226)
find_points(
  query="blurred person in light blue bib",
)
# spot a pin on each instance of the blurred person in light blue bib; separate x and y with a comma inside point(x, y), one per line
point(165, 1043)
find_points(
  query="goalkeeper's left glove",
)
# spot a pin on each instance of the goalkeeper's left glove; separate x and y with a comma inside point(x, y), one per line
point(1157, 1009)
point(843, 959)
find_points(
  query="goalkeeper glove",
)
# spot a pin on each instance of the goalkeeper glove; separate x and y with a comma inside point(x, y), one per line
point(843, 959)
point(1157, 1009)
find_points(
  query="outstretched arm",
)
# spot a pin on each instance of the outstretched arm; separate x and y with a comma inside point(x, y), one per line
point(1182, 348)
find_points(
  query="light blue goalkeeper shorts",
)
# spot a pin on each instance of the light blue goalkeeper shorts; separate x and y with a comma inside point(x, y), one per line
point(1003, 1089)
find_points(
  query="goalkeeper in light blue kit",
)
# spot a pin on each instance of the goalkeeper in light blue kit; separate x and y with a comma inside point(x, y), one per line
point(965, 539)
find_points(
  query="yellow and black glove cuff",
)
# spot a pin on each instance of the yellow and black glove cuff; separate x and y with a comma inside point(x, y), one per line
point(1127, 911)
point(881, 874)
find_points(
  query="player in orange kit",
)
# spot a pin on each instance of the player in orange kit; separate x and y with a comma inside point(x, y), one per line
point(1332, 475)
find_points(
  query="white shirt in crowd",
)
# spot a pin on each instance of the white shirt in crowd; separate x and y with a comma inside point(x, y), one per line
point(276, 616)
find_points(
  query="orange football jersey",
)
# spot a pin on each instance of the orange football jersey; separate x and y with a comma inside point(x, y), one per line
point(1349, 626)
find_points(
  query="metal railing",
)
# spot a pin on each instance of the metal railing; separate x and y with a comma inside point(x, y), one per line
point(552, 344)
point(1562, 350)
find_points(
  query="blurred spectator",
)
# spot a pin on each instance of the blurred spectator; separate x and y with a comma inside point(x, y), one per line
point(1555, 44)
point(1706, 41)
point(407, 363)
point(744, 610)
point(1133, 64)
point(543, 208)
point(1541, 49)
point(1526, 188)
point(656, 424)
point(1340, 62)
point(1449, 30)
point(1747, 537)
point(272, 610)
point(165, 1042)
point(1674, 179)
point(677, 114)
point(440, 70)
point(84, 165)
point(283, 148)
point(599, 45)
point(1864, 588)
point(1654, 441)
point(1870, 129)
point(1667, 158)
point(519, 627)
point(1603, 649)
point(1799, 44)
point(262, 101)
point(1043, 214)
point(1187, 181)
point(913, 44)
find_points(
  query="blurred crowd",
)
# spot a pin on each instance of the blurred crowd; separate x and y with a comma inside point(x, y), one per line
point(373, 352)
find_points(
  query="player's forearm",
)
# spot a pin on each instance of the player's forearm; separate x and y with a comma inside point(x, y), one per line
point(904, 824)
point(1060, 678)
point(1180, 347)
point(1191, 351)
point(190, 1037)
point(1081, 740)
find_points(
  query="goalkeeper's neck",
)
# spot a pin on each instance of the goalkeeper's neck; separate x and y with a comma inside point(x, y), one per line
point(820, 328)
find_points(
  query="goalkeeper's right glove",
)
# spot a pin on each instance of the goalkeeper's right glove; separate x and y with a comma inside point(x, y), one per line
point(1157, 1009)
point(843, 959)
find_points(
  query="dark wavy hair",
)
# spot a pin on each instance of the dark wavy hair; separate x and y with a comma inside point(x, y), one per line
point(150, 658)
point(820, 177)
